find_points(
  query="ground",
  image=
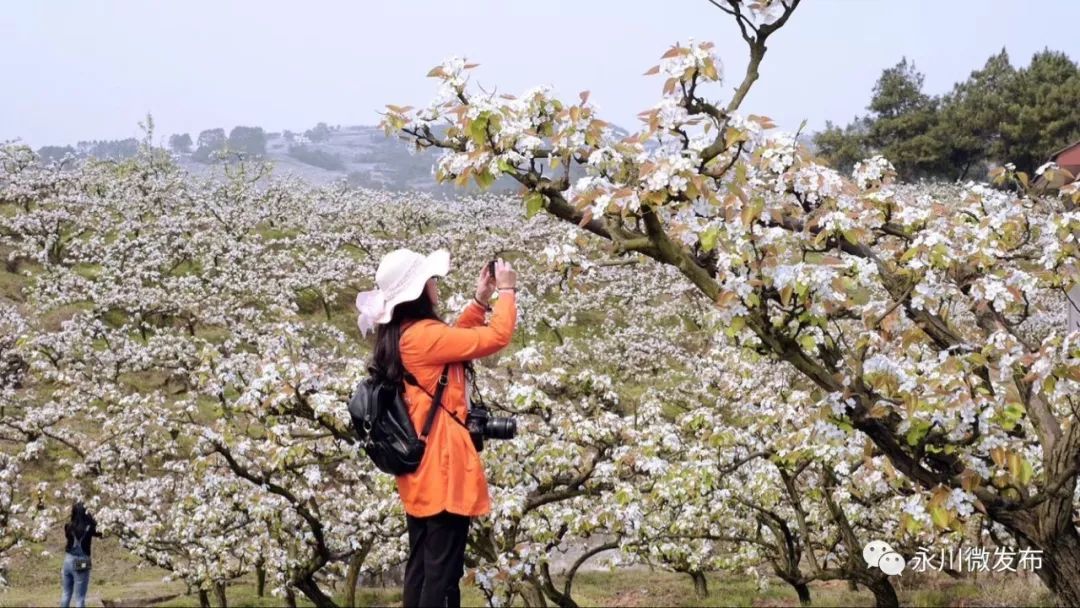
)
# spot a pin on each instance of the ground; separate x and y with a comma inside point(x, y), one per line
point(120, 580)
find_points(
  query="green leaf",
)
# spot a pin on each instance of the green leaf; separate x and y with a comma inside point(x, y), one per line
point(1026, 472)
point(940, 516)
point(909, 254)
point(708, 238)
point(484, 179)
point(917, 431)
point(909, 523)
point(737, 325)
point(1050, 384)
point(534, 202)
point(478, 129)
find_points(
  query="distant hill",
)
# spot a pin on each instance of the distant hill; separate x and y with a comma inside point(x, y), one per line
point(362, 155)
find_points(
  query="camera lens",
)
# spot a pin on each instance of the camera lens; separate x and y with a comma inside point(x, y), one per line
point(501, 428)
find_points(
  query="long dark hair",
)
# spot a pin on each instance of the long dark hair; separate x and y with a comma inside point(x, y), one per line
point(386, 362)
point(80, 517)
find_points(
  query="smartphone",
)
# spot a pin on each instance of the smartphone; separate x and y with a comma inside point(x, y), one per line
point(491, 269)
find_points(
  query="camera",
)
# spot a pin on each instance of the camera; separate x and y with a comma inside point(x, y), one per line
point(482, 424)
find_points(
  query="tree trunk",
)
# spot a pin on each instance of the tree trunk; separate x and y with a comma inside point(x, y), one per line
point(798, 584)
point(1060, 570)
point(532, 596)
point(963, 174)
point(803, 590)
point(204, 598)
point(852, 585)
point(326, 307)
point(219, 593)
point(1049, 528)
point(884, 594)
point(290, 597)
point(311, 589)
point(260, 580)
point(352, 576)
point(701, 586)
point(562, 599)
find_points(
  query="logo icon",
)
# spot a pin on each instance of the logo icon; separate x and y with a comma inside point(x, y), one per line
point(879, 554)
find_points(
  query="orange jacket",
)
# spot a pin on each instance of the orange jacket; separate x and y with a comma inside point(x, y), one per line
point(451, 476)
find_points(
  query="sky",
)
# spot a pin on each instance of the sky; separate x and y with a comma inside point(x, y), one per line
point(92, 69)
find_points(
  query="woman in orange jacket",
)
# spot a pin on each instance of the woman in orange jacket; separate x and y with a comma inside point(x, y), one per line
point(412, 347)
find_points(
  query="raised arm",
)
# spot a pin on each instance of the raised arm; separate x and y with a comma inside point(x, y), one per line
point(437, 343)
point(472, 316)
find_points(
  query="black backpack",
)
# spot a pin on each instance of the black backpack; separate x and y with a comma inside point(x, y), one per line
point(381, 420)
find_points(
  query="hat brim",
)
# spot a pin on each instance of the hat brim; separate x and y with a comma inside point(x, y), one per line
point(437, 263)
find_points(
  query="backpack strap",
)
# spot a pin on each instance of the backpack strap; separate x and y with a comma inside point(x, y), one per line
point(436, 401)
point(78, 542)
point(409, 378)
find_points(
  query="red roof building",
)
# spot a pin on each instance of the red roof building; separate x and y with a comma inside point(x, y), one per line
point(1068, 158)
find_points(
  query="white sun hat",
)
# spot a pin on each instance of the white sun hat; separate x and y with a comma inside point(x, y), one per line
point(400, 278)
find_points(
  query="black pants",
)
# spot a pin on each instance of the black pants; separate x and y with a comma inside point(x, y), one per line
point(436, 560)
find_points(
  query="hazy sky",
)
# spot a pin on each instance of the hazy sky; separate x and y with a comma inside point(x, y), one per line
point(75, 70)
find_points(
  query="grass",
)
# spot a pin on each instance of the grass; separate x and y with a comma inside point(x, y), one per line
point(118, 576)
point(11, 286)
point(11, 283)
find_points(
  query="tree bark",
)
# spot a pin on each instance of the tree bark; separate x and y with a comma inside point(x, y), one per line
point(1048, 526)
point(533, 596)
point(875, 580)
point(1060, 570)
point(884, 594)
point(290, 597)
point(803, 591)
point(219, 594)
point(964, 172)
point(353, 575)
point(260, 580)
point(311, 589)
point(798, 584)
point(561, 599)
point(701, 585)
point(204, 598)
point(564, 598)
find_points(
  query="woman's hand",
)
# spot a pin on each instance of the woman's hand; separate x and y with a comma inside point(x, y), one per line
point(485, 286)
point(505, 275)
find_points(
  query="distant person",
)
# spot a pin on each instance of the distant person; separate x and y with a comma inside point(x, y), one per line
point(75, 574)
point(449, 488)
